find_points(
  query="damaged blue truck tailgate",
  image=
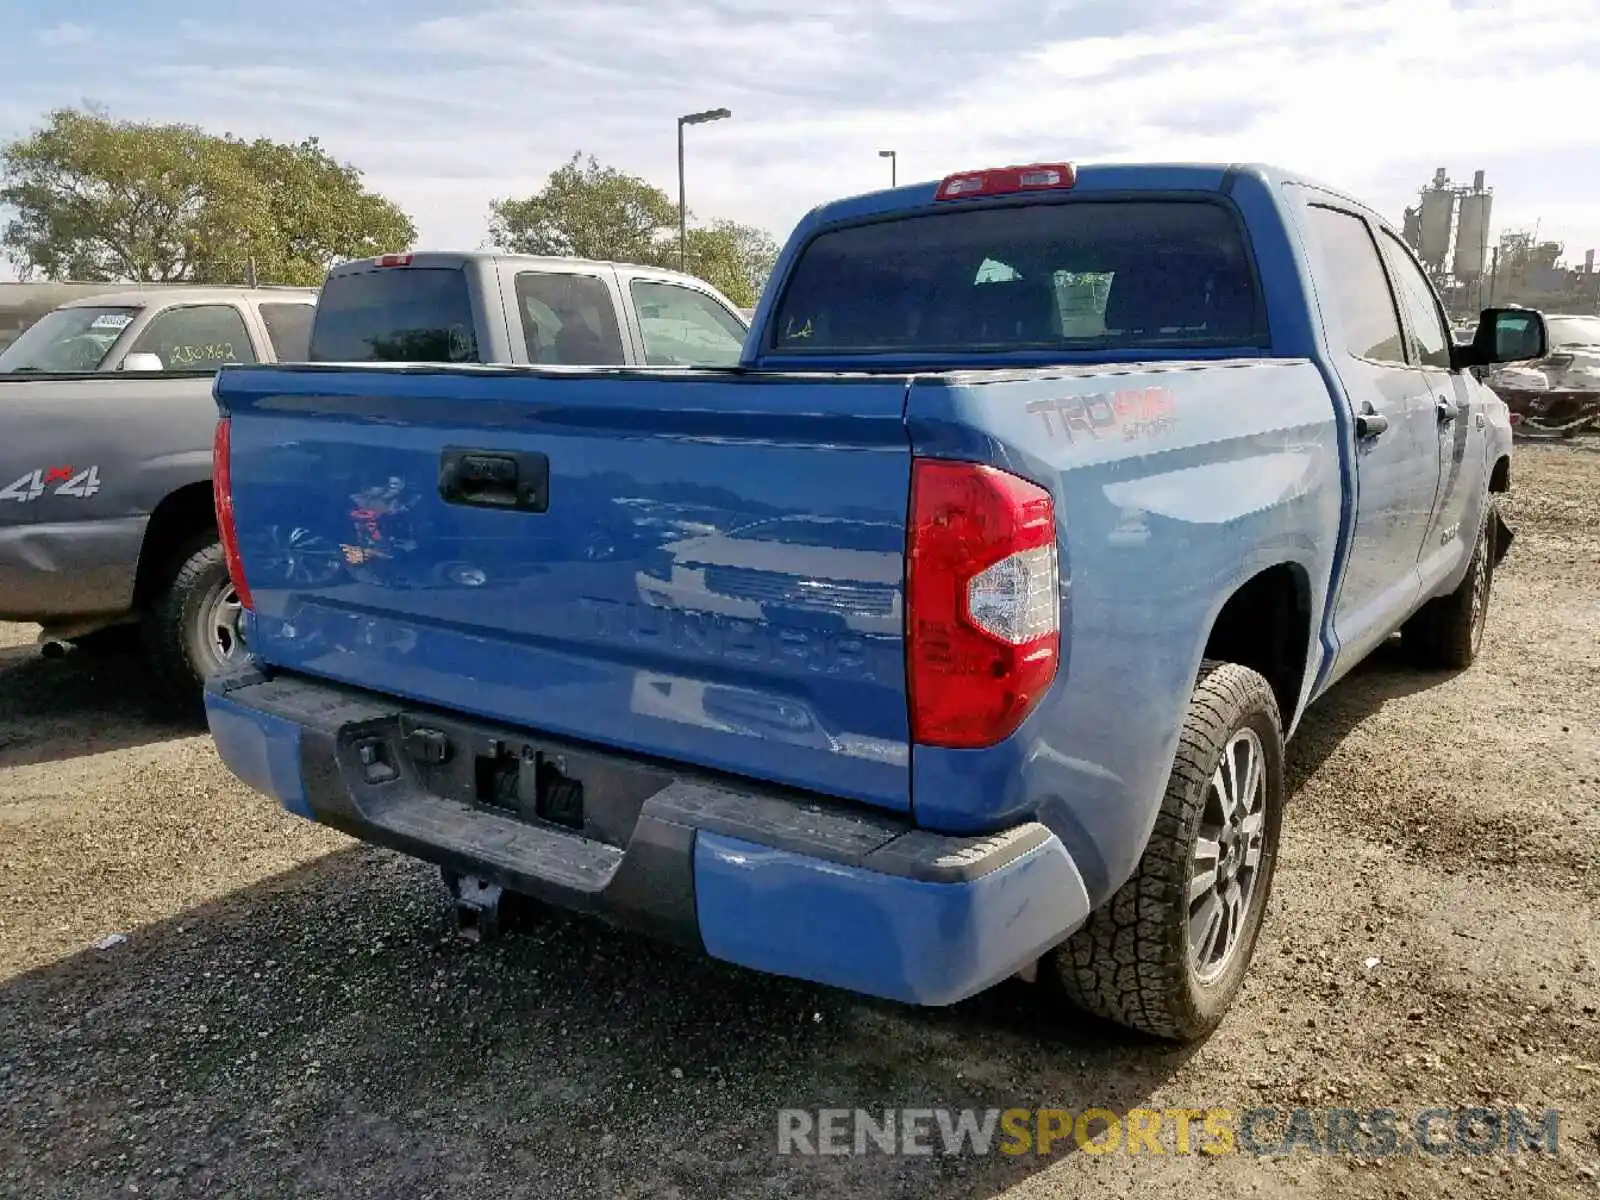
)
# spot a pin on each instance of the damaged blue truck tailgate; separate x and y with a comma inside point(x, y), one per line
point(954, 634)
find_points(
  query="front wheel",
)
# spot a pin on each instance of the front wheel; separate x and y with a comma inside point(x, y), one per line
point(1446, 633)
point(1167, 954)
point(191, 630)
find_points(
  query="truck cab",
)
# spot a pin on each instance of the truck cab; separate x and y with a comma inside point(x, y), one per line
point(488, 307)
point(165, 329)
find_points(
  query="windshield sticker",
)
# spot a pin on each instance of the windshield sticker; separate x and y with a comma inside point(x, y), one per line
point(111, 321)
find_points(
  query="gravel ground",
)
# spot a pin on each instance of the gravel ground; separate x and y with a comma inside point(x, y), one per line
point(289, 1015)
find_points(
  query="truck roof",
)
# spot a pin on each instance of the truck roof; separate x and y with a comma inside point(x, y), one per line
point(1102, 177)
point(141, 297)
point(457, 258)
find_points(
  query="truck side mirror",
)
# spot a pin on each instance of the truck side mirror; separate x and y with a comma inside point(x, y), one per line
point(143, 362)
point(1507, 335)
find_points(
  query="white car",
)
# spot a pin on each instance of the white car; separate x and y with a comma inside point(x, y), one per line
point(1573, 362)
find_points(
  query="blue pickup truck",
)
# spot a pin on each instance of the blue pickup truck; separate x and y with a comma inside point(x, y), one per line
point(953, 635)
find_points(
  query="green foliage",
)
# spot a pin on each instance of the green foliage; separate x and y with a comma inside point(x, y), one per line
point(586, 210)
point(733, 258)
point(100, 199)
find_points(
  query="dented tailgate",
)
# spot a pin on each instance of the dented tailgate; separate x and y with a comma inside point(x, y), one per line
point(702, 567)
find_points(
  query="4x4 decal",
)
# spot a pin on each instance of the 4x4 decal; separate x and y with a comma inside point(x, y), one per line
point(67, 481)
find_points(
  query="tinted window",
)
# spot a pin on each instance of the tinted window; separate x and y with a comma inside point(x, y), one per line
point(1079, 275)
point(395, 314)
point(568, 320)
point(1353, 282)
point(289, 328)
point(201, 337)
point(68, 339)
point(1430, 336)
point(683, 327)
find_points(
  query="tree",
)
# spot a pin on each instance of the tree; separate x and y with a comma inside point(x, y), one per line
point(733, 258)
point(586, 210)
point(99, 199)
point(309, 211)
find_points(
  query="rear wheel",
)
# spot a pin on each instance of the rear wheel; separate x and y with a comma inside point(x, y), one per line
point(1446, 633)
point(1167, 954)
point(191, 630)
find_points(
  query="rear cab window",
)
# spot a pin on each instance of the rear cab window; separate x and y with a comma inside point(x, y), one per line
point(395, 314)
point(568, 319)
point(196, 337)
point(1357, 285)
point(288, 329)
point(1079, 275)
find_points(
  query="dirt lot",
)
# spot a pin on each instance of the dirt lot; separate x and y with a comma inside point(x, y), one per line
point(290, 1017)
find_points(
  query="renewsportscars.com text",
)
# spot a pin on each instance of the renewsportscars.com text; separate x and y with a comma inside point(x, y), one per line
point(1372, 1133)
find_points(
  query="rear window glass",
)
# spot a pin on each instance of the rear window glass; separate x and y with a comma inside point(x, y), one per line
point(395, 314)
point(289, 327)
point(1080, 275)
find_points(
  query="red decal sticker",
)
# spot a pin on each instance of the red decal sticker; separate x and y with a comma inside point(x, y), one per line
point(64, 474)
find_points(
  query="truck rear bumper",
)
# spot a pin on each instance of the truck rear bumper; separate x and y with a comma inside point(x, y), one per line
point(792, 885)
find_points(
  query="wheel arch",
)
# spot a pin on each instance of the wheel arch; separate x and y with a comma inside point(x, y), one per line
point(1265, 625)
point(1500, 475)
point(182, 516)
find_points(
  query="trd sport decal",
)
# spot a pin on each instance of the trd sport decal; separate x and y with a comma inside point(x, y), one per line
point(61, 481)
point(1132, 414)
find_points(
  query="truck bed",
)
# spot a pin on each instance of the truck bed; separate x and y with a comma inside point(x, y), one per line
point(713, 571)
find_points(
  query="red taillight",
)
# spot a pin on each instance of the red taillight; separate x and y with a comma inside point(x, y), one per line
point(394, 260)
point(222, 494)
point(1000, 181)
point(983, 611)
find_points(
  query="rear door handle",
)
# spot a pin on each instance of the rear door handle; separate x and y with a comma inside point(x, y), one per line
point(1447, 411)
point(1370, 423)
point(513, 479)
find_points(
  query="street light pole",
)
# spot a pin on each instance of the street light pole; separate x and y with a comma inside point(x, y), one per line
point(683, 209)
point(699, 118)
point(893, 165)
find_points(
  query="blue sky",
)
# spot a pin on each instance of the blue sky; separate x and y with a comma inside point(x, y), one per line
point(448, 104)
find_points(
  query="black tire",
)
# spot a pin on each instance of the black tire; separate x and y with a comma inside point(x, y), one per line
point(176, 627)
point(1446, 633)
point(1132, 962)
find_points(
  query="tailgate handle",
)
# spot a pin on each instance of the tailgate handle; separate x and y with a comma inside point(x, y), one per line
point(512, 479)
